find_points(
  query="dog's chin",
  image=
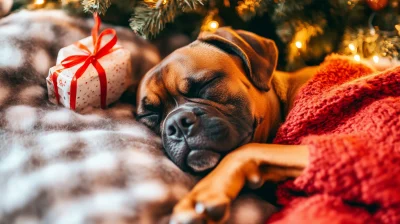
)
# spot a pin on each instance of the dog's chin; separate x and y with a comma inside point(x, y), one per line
point(202, 160)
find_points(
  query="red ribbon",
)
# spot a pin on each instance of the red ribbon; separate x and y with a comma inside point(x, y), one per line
point(87, 59)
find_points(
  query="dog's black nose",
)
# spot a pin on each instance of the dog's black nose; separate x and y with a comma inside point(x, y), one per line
point(181, 124)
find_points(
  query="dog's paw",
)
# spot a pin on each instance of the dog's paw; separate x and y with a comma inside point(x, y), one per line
point(206, 205)
point(210, 200)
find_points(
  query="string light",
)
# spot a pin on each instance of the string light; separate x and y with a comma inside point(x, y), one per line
point(39, 2)
point(213, 25)
point(212, 21)
point(352, 47)
point(373, 43)
point(299, 44)
point(372, 31)
point(375, 58)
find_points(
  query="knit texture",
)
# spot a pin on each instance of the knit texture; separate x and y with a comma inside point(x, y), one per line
point(349, 116)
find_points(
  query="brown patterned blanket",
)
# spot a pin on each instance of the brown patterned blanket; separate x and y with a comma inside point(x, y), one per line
point(100, 166)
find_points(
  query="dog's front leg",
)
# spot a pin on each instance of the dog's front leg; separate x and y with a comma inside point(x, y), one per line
point(210, 199)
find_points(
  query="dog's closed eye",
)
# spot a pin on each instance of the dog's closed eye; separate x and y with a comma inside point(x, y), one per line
point(197, 88)
point(150, 119)
point(150, 113)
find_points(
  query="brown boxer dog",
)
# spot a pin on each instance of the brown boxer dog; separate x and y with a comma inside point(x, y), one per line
point(218, 94)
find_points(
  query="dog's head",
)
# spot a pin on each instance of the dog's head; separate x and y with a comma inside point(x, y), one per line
point(211, 97)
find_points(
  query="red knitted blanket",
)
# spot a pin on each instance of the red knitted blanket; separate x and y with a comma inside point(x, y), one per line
point(349, 115)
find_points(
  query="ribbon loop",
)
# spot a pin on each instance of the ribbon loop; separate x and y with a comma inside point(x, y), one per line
point(90, 58)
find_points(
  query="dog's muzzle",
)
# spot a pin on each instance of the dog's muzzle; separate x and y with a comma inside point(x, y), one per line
point(194, 137)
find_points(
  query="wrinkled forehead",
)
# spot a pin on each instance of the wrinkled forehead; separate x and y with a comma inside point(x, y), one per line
point(187, 66)
point(195, 61)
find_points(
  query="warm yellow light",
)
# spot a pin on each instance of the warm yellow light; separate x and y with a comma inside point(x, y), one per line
point(352, 47)
point(213, 25)
point(299, 44)
point(397, 28)
point(372, 31)
point(357, 57)
point(375, 58)
point(39, 2)
point(156, 3)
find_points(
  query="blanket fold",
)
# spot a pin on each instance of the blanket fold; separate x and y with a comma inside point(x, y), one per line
point(97, 166)
point(349, 116)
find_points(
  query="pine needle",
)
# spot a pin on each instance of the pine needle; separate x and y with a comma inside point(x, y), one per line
point(99, 6)
point(150, 18)
point(191, 5)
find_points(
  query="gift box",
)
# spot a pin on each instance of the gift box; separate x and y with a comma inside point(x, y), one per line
point(94, 72)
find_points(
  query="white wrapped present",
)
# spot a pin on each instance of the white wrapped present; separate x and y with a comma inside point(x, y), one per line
point(89, 90)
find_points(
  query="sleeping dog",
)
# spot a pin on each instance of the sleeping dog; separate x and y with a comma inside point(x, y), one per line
point(218, 94)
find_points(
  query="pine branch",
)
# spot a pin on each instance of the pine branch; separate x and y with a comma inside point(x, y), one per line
point(190, 5)
point(247, 9)
point(99, 6)
point(150, 18)
point(284, 10)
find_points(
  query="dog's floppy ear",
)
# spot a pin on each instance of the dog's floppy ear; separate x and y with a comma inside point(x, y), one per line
point(259, 54)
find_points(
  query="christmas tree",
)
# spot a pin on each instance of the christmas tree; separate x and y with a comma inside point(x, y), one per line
point(305, 31)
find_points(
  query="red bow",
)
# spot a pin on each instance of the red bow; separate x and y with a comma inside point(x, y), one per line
point(87, 59)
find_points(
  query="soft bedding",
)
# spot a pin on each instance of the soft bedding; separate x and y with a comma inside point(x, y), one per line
point(349, 116)
point(100, 166)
